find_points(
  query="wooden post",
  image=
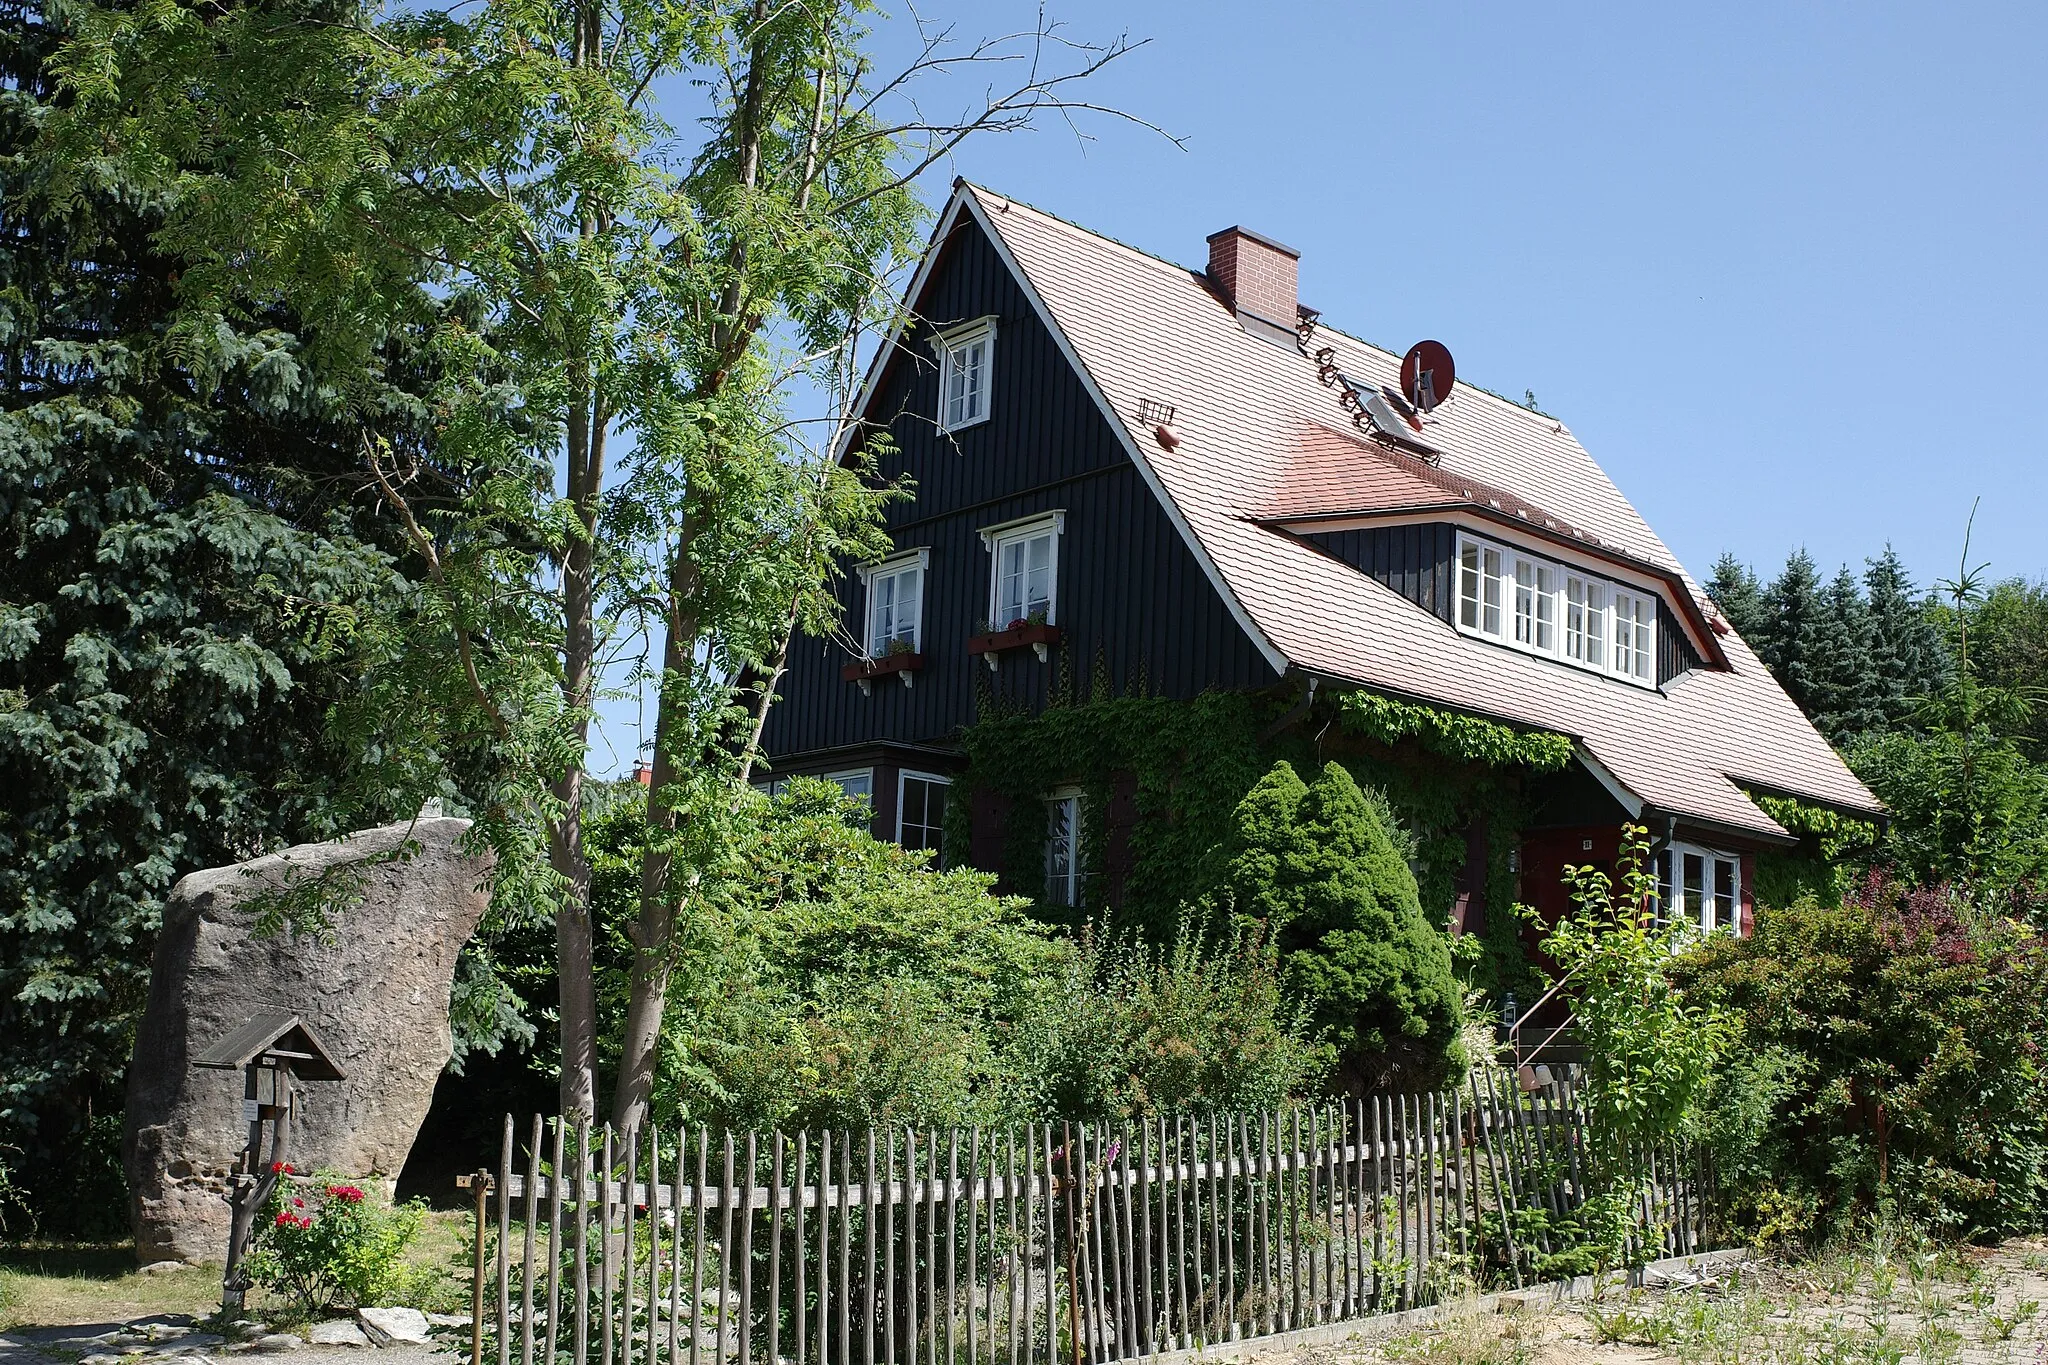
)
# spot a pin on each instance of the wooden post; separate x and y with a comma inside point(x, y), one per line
point(478, 1183)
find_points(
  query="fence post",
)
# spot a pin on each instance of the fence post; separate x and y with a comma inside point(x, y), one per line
point(478, 1183)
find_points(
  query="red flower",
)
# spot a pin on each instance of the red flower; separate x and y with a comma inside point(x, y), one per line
point(347, 1194)
point(298, 1203)
point(282, 1168)
point(288, 1219)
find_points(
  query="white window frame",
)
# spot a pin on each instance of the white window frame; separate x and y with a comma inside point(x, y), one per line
point(847, 775)
point(1067, 892)
point(995, 538)
point(1526, 602)
point(953, 345)
point(1707, 916)
point(904, 778)
point(892, 567)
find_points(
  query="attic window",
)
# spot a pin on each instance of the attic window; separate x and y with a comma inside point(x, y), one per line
point(966, 357)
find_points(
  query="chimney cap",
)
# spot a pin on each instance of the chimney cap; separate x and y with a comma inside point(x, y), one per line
point(1261, 238)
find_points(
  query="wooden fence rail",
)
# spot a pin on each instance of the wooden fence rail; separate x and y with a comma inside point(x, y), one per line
point(1053, 1244)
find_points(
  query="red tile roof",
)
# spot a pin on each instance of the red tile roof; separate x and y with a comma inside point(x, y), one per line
point(1257, 443)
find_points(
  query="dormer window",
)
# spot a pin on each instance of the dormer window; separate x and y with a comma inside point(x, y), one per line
point(966, 356)
point(896, 604)
point(1556, 611)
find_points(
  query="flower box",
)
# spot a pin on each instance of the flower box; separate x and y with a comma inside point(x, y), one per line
point(1039, 637)
point(865, 671)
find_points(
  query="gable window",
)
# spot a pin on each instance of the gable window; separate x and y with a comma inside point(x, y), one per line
point(921, 812)
point(1700, 886)
point(1063, 848)
point(965, 357)
point(1556, 611)
point(1024, 578)
point(895, 604)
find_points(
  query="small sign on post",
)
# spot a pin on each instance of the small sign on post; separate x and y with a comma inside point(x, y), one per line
point(272, 1050)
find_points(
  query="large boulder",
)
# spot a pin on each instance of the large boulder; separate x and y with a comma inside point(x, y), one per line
point(375, 989)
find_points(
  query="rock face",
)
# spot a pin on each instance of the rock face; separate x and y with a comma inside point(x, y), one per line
point(375, 990)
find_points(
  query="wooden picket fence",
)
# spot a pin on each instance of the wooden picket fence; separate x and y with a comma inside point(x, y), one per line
point(1062, 1244)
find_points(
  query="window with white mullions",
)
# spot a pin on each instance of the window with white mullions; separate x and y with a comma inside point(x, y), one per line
point(895, 605)
point(1556, 611)
point(1063, 849)
point(1024, 581)
point(965, 358)
point(921, 812)
point(1701, 886)
point(1024, 578)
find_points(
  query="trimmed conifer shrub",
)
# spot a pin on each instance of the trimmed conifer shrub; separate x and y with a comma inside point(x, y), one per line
point(1317, 864)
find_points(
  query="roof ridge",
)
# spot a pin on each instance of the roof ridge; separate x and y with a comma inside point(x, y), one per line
point(1158, 259)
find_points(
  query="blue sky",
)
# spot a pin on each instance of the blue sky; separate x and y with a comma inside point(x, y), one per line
point(1782, 269)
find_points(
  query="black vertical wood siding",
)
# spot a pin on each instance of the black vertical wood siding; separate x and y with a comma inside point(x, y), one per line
point(1418, 562)
point(1132, 599)
point(1675, 654)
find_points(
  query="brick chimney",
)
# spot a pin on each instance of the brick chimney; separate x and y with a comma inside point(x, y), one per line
point(1257, 278)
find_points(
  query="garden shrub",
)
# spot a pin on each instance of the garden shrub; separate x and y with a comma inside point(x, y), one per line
point(831, 979)
point(1649, 1045)
point(328, 1244)
point(1891, 1062)
point(1317, 865)
point(1120, 1029)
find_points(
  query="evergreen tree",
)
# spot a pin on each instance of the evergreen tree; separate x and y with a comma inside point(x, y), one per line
point(1905, 645)
point(1316, 864)
point(1844, 702)
point(1740, 596)
point(1794, 645)
point(175, 544)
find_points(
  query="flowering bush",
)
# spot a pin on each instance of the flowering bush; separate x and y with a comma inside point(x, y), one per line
point(1893, 1062)
point(327, 1244)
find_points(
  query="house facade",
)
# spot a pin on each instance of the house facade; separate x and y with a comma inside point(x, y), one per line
point(1134, 477)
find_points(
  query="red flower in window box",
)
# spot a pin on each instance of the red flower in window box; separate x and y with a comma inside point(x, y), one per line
point(1037, 635)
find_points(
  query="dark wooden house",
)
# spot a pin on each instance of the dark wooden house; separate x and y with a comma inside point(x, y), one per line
point(1182, 480)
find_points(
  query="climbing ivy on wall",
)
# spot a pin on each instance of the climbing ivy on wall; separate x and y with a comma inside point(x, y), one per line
point(1454, 735)
point(1831, 843)
point(1184, 765)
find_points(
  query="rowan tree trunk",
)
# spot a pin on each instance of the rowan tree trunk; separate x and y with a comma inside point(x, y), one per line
point(654, 930)
point(574, 932)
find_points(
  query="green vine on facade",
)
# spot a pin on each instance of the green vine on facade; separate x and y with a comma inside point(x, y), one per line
point(1455, 735)
point(1840, 836)
point(1174, 771)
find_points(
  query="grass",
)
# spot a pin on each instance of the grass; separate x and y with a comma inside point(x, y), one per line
point(49, 1284)
point(65, 1284)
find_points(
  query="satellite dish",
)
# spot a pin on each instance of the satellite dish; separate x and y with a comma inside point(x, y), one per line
point(1427, 374)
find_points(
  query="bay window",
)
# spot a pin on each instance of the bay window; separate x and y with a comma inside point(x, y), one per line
point(921, 812)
